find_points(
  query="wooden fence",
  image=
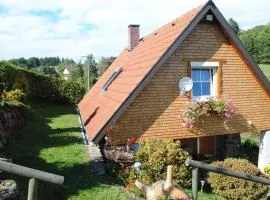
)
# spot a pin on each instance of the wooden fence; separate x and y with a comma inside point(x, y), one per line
point(196, 165)
point(33, 174)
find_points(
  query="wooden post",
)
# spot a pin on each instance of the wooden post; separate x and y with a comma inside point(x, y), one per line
point(195, 180)
point(32, 189)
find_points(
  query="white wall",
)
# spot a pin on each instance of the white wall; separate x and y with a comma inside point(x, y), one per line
point(264, 150)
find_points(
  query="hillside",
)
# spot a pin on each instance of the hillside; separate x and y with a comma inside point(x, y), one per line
point(266, 70)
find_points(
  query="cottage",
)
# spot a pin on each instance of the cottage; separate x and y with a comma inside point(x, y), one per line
point(138, 95)
point(67, 71)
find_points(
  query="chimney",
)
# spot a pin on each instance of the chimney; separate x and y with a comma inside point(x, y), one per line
point(133, 36)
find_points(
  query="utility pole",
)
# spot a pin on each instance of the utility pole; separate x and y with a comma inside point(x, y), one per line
point(88, 73)
point(88, 77)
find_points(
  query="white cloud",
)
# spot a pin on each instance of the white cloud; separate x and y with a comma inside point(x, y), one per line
point(28, 35)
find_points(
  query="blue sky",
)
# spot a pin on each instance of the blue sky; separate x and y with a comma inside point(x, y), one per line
point(69, 28)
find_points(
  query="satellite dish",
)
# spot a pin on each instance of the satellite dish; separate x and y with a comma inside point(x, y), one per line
point(185, 85)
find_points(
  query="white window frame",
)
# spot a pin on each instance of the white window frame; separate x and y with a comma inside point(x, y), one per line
point(212, 66)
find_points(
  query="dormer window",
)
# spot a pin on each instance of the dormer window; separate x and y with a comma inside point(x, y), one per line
point(111, 79)
point(204, 79)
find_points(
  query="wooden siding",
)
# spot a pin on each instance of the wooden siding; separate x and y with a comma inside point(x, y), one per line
point(156, 111)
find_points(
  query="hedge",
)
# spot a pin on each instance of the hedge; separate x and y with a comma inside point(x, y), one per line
point(37, 86)
point(235, 188)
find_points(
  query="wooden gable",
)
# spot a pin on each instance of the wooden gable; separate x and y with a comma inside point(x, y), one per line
point(157, 110)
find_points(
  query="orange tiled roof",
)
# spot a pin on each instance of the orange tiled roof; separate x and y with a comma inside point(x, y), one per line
point(97, 107)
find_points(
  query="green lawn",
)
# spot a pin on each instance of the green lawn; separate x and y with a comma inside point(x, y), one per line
point(266, 70)
point(50, 141)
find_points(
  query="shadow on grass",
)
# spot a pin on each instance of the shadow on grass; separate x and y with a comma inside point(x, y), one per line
point(50, 141)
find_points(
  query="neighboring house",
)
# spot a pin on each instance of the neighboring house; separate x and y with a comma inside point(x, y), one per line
point(67, 71)
point(138, 95)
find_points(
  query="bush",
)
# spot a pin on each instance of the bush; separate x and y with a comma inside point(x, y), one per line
point(266, 170)
point(235, 188)
point(39, 86)
point(14, 95)
point(249, 148)
point(156, 154)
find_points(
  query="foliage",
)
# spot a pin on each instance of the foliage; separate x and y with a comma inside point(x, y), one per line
point(34, 62)
point(13, 98)
point(156, 154)
point(195, 110)
point(266, 170)
point(77, 74)
point(103, 64)
point(249, 148)
point(14, 95)
point(234, 25)
point(235, 188)
point(48, 71)
point(39, 86)
point(90, 69)
point(257, 41)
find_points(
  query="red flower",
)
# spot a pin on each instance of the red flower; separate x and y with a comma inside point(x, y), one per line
point(132, 141)
point(108, 130)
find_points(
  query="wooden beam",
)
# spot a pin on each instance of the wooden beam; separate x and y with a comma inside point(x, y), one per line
point(225, 171)
point(31, 173)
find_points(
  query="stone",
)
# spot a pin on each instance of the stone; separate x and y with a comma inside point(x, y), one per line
point(8, 190)
point(96, 160)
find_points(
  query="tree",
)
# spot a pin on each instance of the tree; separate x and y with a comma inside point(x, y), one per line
point(47, 70)
point(103, 64)
point(90, 69)
point(77, 74)
point(33, 62)
point(22, 62)
point(257, 41)
point(234, 25)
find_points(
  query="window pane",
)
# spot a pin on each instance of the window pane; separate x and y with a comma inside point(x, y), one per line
point(195, 75)
point(205, 88)
point(205, 75)
point(196, 90)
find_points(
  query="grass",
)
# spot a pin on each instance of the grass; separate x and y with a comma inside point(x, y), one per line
point(266, 70)
point(51, 141)
point(205, 196)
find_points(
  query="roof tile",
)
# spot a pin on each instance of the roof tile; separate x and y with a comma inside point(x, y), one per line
point(97, 106)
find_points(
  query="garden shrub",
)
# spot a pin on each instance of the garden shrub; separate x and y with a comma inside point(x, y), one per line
point(37, 86)
point(249, 148)
point(156, 154)
point(235, 188)
point(266, 170)
point(14, 95)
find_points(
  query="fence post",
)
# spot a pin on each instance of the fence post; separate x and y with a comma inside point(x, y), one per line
point(195, 180)
point(32, 189)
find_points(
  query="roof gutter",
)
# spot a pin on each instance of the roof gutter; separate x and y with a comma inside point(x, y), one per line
point(83, 132)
